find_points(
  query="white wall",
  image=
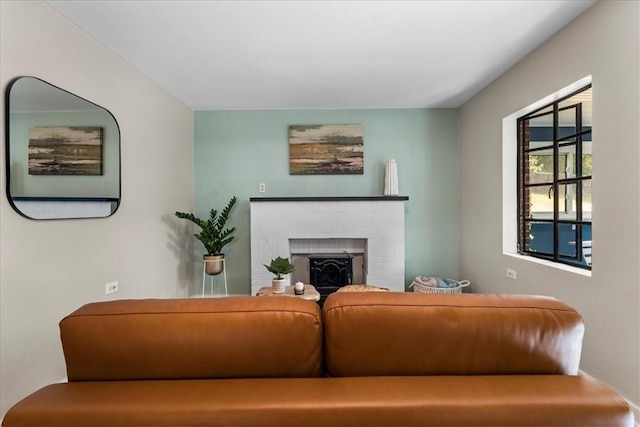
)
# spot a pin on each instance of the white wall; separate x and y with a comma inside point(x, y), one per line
point(603, 42)
point(49, 268)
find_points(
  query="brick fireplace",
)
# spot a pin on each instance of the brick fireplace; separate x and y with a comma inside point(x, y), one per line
point(373, 226)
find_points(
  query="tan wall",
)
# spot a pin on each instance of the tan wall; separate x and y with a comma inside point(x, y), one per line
point(603, 42)
point(49, 268)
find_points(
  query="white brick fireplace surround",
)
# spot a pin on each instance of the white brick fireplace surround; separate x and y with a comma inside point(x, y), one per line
point(379, 221)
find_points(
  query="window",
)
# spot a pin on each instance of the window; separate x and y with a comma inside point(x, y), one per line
point(554, 181)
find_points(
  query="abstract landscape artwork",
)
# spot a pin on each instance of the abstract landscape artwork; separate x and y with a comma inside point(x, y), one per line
point(65, 150)
point(325, 149)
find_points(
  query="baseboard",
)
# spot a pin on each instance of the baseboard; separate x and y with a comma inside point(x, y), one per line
point(634, 407)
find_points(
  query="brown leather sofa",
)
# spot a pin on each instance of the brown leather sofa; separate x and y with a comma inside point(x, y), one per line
point(366, 359)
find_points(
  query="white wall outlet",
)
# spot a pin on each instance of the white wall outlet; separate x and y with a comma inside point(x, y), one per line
point(110, 288)
point(262, 187)
point(511, 273)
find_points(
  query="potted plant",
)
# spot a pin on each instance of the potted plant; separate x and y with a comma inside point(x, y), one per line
point(280, 267)
point(213, 235)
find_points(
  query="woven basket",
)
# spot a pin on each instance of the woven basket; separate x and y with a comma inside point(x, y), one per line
point(417, 287)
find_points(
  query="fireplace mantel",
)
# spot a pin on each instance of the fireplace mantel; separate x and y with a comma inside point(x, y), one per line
point(331, 199)
point(376, 220)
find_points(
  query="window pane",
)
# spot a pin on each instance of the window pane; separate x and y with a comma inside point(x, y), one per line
point(584, 99)
point(543, 119)
point(562, 205)
point(586, 162)
point(568, 161)
point(540, 131)
point(541, 237)
point(567, 235)
point(540, 168)
point(566, 122)
point(565, 170)
point(586, 245)
point(567, 202)
point(572, 109)
point(541, 143)
point(540, 201)
point(586, 200)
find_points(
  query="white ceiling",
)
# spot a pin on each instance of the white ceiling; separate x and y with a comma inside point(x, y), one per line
point(217, 55)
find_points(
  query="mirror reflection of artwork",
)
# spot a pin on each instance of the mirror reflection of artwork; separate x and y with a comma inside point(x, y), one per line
point(325, 149)
point(62, 153)
point(65, 150)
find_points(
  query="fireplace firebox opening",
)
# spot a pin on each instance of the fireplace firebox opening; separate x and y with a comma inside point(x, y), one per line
point(330, 272)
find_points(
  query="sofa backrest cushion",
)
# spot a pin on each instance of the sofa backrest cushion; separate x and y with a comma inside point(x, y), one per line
point(390, 333)
point(236, 337)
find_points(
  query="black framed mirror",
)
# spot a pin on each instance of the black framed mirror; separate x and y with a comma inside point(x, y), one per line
point(62, 153)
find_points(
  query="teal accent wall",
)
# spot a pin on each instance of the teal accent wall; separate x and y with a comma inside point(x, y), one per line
point(236, 150)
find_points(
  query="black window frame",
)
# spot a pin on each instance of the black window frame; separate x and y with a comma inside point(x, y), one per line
point(558, 141)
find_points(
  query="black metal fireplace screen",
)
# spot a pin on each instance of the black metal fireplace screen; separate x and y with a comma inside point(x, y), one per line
point(329, 272)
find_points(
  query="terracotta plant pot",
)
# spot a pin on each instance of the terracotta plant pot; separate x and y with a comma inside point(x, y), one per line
point(214, 264)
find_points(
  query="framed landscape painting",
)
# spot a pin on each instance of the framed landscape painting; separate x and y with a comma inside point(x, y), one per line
point(325, 149)
point(65, 150)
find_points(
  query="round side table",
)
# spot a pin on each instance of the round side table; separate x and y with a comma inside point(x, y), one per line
point(310, 293)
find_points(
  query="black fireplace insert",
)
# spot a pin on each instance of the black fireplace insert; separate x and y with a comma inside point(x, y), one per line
point(329, 272)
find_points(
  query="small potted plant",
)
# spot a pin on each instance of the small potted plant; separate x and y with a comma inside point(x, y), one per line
point(213, 235)
point(280, 267)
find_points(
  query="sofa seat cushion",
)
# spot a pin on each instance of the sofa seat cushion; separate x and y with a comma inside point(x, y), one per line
point(535, 400)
